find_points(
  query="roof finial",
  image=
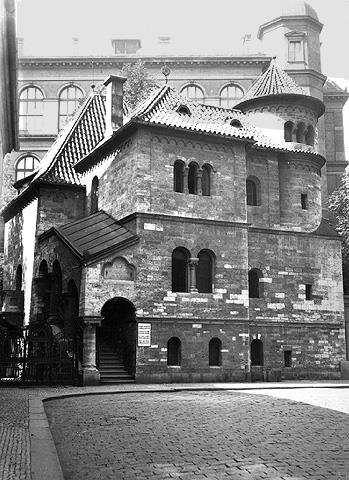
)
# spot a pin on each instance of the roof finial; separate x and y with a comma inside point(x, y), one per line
point(166, 72)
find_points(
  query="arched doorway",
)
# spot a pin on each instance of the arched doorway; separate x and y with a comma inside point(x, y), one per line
point(118, 330)
point(257, 360)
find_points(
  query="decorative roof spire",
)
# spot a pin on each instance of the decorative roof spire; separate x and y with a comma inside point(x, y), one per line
point(274, 81)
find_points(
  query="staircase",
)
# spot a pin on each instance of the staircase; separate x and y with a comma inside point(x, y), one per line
point(111, 366)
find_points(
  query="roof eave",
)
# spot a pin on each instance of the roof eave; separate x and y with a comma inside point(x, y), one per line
point(54, 231)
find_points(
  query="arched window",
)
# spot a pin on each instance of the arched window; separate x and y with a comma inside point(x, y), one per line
point(288, 131)
point(310, 136)
point(25, 166)
point(229, 95)
point(94, 195)
point(253, 191)
point(19, 276)
point(178, 176)
point(180, 270)
point(194, 92)
point(31, 109)
point(69, 100)
point(215, 352)
point(257, 357)
point(43, 269)
point(204, 272)
point(236, 123)
point(193, 178)
point(206, 180)
point(57, 276)
point(300, 134)
point(174, 352)
point(254, 286)
point(183, 110)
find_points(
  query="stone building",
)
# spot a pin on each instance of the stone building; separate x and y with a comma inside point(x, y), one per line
point(186, 241)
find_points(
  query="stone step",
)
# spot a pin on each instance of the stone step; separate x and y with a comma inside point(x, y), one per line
point(117, 380)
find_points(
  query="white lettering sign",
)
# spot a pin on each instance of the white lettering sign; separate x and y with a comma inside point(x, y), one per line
point(144, 334)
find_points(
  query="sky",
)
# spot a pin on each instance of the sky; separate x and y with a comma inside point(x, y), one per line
point(48, 27)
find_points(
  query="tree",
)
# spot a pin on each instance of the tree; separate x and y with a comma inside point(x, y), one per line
point(139, 84)
point(339, 205)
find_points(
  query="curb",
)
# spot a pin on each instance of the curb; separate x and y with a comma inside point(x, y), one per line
point(44, 461)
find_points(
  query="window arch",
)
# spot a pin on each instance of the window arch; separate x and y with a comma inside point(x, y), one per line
point(19, 277)
point(178, 176)
point(94, 195)
point(215, 352)
point(69, 99)
point(205, 271)
point(43, 268)
point(206, 180)
point(193, 174)
point(25, 166)
point(310, 136)
point(257, 356)
point(253, 191)
point(31, 109)
point(288, 131)
point(254, 286)
point(300, 134)
point(174, 352)
point(229, 94)
point(194, 92)
point(180, 270)
point(183, 110)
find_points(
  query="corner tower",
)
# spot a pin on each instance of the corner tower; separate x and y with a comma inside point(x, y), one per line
point(289, 116)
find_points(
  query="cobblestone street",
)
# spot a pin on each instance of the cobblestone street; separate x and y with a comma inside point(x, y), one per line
point(198, 435)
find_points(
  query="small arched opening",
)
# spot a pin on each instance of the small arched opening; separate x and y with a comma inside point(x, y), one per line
point(288, 131)
point(178, 176)
point(205, 271)
point(206, 180)
point(300, 134)
point(71, 311)
point(254, 284)
point(94, 195)
point(215, 352)
point(19, 278)
point(193, 178)
point(253, 191)
point(257, 357)
point(56, 305)
point(180, 270)
point(174, 352)
point(118, 331)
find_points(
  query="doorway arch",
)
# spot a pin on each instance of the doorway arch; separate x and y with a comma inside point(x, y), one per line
point(118, 330)
point(257, 357)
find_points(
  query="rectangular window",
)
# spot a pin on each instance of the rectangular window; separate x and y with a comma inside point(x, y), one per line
point(304, 201)
point(295, 51)
point(308, 292)
point(288, 358)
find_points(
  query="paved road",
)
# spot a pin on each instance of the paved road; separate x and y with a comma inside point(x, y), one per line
point(198, 435)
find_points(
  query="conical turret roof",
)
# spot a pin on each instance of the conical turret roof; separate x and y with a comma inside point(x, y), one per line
point(276, 82)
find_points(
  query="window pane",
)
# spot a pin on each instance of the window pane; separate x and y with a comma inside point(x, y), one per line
point(25, 166)
point(69, 100)
point(193, 92)
point(229, 95)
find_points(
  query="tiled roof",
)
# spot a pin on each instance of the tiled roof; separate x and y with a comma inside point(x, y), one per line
point(274, 81)
point(332, 87)
point(74, 141)
point(92, 235)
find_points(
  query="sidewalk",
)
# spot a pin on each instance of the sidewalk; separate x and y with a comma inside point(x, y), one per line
point(27, 451)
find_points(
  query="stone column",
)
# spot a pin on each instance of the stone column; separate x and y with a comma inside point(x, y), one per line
point(199, 182)
point(193, 262)
point(185, 179)
point(90, 374)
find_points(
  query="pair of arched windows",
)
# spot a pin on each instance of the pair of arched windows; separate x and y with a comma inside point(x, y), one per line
point(228, 95)
point(31, 106)
point(192, 274)
point(299, 133)
point(174, 352)
point(253, 191)
point(192, 179)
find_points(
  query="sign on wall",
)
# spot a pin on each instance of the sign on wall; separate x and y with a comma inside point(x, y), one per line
point(144, 334)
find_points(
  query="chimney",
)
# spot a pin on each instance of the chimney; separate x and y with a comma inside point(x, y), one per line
point(114, 103)
point(164, 43)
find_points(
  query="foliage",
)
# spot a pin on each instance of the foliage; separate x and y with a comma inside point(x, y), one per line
point(339, 205)
point(139, 84)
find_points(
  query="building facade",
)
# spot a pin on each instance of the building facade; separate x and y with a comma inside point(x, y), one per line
point(185, 242)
